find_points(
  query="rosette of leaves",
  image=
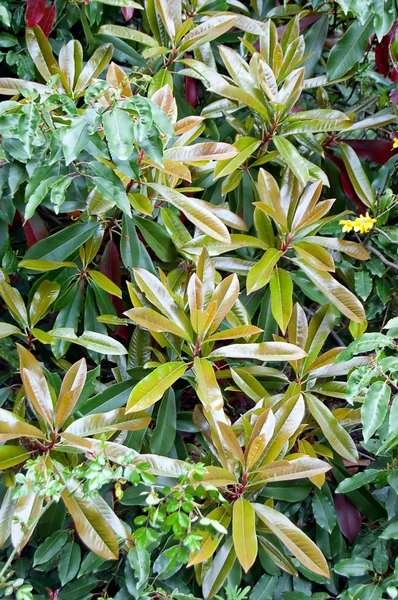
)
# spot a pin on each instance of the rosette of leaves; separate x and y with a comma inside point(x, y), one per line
point(287, 220)
point(187, 327)
point(317, 378)
point(51, 406)
point(248, 456)
point(269, 86)
point(42, 300)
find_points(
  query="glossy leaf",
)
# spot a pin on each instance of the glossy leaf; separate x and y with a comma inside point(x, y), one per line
point(150, 389)
point(244, 532)
point(294, 539)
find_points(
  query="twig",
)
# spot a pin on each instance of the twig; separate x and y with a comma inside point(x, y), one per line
point(395, 242)
point(383, 259)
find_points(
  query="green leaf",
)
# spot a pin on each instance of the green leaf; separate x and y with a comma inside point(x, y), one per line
point(292, 157)
point(75, 138)
point(363, 284)
point(219, 570)
point(133, 251)
point(323, 509)
point(350, 49)
point(62, 244)
point(50, 547)
point(281, 287)
point(374, 409)
point(150, 389)
point(119, 131)
point(140, 562)
point(357, 481)
point(353, 567)
point(336, 435)
point(69, 562)
point(244, 532)
point(163, 436)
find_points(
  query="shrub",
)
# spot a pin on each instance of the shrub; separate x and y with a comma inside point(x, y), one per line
point(197, 355)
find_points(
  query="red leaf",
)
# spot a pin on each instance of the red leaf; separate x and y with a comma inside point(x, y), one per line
point(35, 10)
point(35, 230)
point(380, 151)
point(394, 96)
point(128, 13)
point(304, 23)
point(110, 266)
point(191, 91)
point(394, 75)
point(346, 183)
point(348, 516)
point(47, 20)
point(382, 52)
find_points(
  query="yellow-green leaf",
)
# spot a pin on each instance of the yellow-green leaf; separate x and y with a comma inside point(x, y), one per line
point(35, 384)
point(6, 329)
point(266, 351)
point(105, 283)
point(15, 304)
point(150, 389)
point(200, 216)
point(72, 387)
point(44, 296)
point(210, 542)
point(294, 539)
point(208, 389)
point(11, 456)
point(244, 533)
point(45, 265)
point(90, 522)
point(13, 427)
point(153, 321)
point(259, 275)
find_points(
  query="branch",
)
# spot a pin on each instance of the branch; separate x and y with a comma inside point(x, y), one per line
point(383, 259)
point(395, 242)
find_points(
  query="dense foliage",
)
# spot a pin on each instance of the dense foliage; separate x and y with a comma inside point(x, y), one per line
point(198, 299)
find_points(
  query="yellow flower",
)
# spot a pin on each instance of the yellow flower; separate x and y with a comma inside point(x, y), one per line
point(395, 143)
point(362, 224)
point(347, 226)
point(119, 493)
